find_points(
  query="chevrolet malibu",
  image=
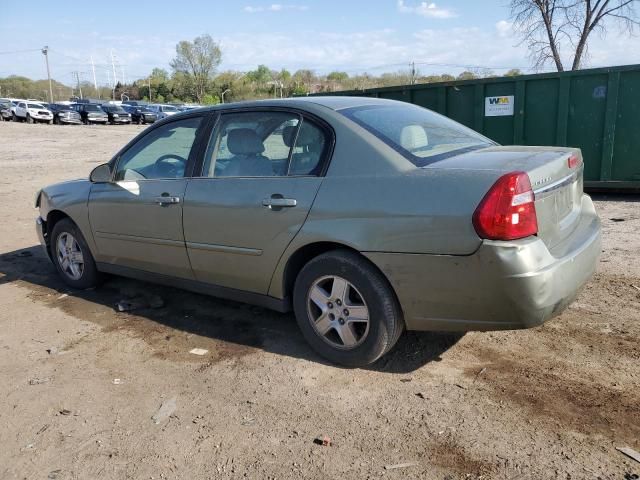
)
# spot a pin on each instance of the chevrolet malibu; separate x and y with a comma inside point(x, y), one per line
point(365, 216)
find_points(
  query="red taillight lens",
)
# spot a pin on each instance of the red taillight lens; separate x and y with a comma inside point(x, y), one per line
point(507, 211)
point(574, 161)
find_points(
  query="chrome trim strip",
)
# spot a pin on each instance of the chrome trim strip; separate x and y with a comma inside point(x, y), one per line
point(224, 249)
point(552, 187)
point(134, 238)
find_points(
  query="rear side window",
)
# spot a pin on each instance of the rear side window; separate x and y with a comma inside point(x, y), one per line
point(420, 135)
point(264, 144)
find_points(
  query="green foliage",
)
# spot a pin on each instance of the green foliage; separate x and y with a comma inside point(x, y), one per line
point(209, 99)
point(467, 76)
point(514, 72)
point(197, 60)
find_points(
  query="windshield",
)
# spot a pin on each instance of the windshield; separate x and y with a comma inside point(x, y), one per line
point(34, 105)
point(169, 108)
point(92, 108)
point(420, 135)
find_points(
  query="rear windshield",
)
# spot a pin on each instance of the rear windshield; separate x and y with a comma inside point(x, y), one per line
point(420, 135)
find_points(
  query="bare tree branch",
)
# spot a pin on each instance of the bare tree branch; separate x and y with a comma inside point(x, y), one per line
point(549, 26)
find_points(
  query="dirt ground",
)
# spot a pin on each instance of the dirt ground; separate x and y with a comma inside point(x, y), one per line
point(81, 385)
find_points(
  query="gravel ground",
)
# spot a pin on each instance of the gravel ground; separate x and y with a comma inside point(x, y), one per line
point(87, 392)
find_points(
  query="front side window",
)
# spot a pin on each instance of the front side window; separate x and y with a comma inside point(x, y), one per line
point(161, 154)
point(420, 135)
point(264, 144)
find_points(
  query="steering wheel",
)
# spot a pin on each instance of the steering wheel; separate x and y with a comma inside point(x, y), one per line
point(170, 166)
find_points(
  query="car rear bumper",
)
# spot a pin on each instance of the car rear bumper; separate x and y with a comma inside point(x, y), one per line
point(503, 285)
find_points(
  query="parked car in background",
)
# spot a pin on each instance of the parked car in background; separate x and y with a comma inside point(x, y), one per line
point(91, 113)
point(5, 109)
point(164, 111)
point(116, 114)
point(140, 114)
point(64, 114)
point(186, 108)
point(30, 112)
point(366, 216)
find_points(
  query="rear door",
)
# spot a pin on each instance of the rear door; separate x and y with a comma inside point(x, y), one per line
point(137, 218)
point(260, 176)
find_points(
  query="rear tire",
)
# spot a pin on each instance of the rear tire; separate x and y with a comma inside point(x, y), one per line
point(347, 339)
point(72, 257)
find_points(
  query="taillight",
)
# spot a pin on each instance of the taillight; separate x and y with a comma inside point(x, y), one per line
point(507, 211)
point(574, 161)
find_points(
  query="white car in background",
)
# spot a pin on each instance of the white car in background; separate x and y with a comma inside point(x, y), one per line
point(163, 111)
point(32, 112)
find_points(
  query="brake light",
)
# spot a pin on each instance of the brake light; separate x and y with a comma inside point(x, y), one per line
point(507, 211)
point(573, 161)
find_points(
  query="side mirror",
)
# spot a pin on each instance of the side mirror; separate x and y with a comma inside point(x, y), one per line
point(101, 174)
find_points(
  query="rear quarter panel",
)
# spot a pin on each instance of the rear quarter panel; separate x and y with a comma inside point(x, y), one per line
point(426, 211)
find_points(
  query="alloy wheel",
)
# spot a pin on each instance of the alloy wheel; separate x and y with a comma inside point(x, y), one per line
point(338, 312)
point(70, 256)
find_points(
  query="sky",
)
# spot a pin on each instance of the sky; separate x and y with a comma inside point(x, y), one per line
point(355, 36)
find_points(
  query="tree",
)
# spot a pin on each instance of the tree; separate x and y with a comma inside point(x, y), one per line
point(514, 72)
point(548, 27)
point(467, 75)
point(198, 60)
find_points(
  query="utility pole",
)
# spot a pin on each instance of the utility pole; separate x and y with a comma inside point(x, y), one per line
point(124, 78)
point(77, 74)
point(113, 65)
point(45, 52)
point(95, 82)
point(413, 72)
point(150, 89)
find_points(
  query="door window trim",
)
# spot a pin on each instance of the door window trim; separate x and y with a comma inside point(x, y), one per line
point(196, 147)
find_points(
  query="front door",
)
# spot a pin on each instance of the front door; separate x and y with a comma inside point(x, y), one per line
point(260, 177)
point(137, 219)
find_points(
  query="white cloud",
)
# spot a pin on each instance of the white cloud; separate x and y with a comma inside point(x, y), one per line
point(275, 7)
point(426, 9)
point(504, 28)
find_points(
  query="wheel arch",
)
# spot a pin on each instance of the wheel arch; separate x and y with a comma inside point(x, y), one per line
point(53, 217)
point(298, 259)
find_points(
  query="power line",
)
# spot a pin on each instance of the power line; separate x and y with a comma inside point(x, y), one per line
point(9, 52)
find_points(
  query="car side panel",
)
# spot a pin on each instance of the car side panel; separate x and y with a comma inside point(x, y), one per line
point(426, 211)
point(71, 198)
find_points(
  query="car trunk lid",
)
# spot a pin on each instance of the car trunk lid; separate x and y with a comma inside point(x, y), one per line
point(557, 185)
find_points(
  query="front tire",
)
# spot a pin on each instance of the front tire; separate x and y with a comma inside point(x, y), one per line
point(72, 257)
point(346, 309)
point(29, 119)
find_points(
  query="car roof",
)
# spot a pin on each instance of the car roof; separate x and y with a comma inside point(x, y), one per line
point(333, 102)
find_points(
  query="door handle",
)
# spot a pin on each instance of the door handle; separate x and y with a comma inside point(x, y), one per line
point(279, 202)
point(167, 200)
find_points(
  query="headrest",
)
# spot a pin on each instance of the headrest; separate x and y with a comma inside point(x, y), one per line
point(244, 141)
point(308, 135)
point(413, 137)
point(288, 135)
